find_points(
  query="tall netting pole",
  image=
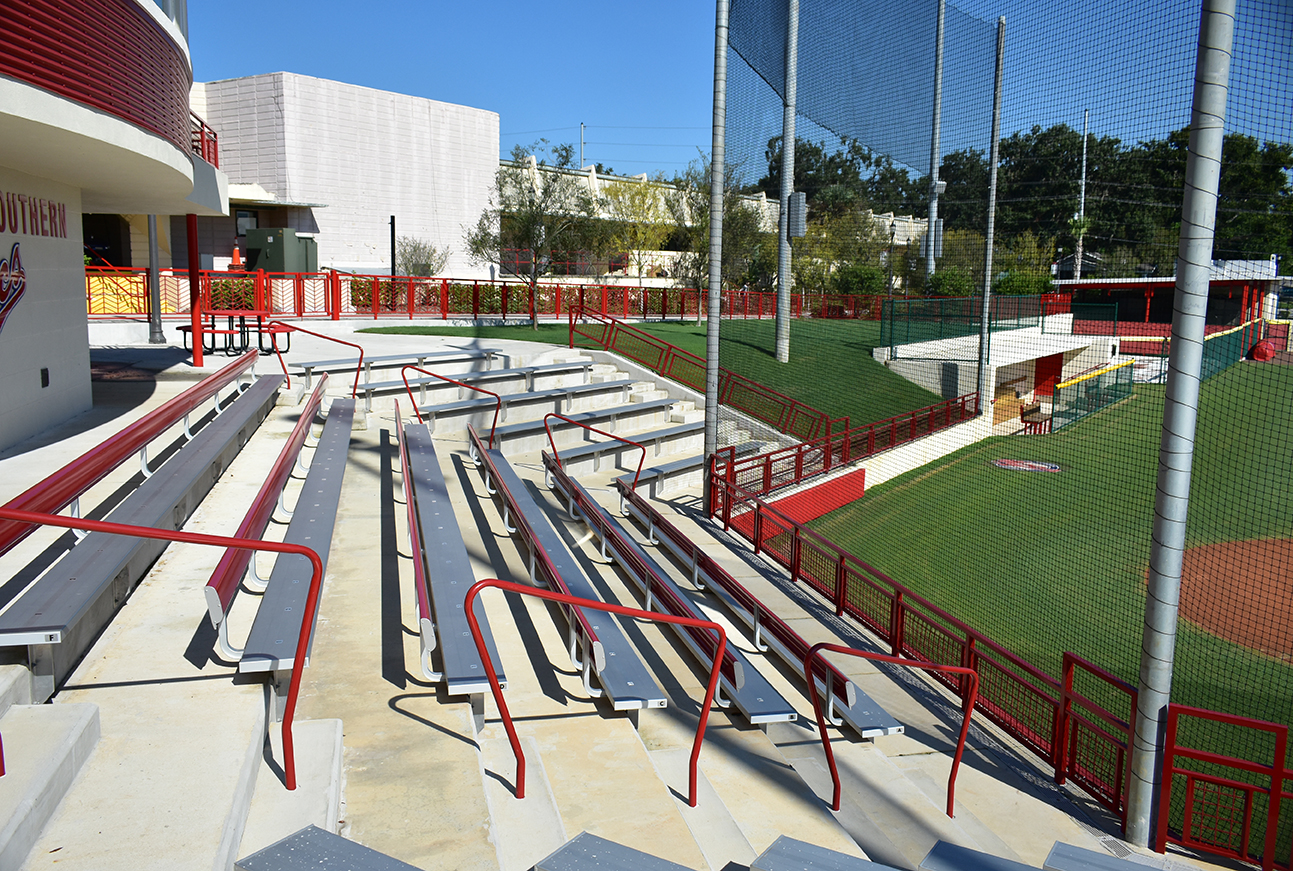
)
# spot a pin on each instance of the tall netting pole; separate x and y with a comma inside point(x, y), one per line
point(934, 146)
point(717, 164)
point(994, 156)
point(1180, 411)
point(787, 181)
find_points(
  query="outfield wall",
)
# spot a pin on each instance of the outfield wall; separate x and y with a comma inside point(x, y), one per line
point(913, 455)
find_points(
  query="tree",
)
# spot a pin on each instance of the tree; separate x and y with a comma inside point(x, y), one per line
point(639, 219)
point(537, 209)
point(744, 251)
point(414, 256)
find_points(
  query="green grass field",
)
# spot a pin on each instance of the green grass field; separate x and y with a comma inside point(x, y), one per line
point(1045, 563)
point(830, 368)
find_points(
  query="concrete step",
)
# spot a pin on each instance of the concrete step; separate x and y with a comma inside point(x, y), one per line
point(276, 812)
point(45, 749)
point(687, 415)
point(15, 687)
point(648, 395)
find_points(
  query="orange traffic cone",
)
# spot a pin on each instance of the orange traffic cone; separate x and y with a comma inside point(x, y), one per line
point(237, 258)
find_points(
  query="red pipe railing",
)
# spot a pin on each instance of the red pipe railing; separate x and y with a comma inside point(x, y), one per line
point(498, 400)
point(552, 442)
point(1102, 724)
point(295, 329)
point(228, 573)
point(60, 489)
point(307, 619)
point(578, 603)
point(971, 693)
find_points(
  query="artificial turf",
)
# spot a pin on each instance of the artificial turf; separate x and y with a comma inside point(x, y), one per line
point(1045, 563)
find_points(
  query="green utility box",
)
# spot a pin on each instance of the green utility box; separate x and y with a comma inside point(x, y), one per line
point(280, 250)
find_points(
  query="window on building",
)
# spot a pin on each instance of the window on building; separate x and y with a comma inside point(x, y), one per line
point(247, 220)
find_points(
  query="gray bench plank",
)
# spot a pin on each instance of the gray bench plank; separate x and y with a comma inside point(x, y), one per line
point(61, 614)
point(625, 680)
point(587, 852)
point(313, 849)
point(558, 395)
point(789, 854)
point(449, 572)
point(757, 699)
point(1066, 857)
point(271, 644)
point(527, 373)
point(389, 361)
point(946, 856)
point(655, 438)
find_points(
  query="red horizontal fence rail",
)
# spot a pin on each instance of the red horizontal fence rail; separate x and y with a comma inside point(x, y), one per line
point(592, 604)
point(1022, 699)
point(764, 473)
point(63, 487)
point(749, 397)
point(971, 692)
point(307, 618)
point(1092, 743)
point(1219, 810)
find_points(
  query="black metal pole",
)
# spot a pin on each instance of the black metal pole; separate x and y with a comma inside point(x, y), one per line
point(392, 246)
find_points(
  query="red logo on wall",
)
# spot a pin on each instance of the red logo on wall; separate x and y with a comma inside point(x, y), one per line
point(13, 281)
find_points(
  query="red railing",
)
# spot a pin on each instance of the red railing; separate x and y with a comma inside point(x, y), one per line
point(498, 400)
point(229, 572)
point(766, 623)
point(1093, 742)
point(553, 444)
point(1228, 800)
point(206, 144)
point(764, 473)
point(275, 327)
point(970, 693)
point(307, 618)
point(577, 604)
point(749, 397)
point(65, 486)
point(1022, 699)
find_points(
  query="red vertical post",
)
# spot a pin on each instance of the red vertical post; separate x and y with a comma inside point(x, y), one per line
point(444, 299)
point(475, 300)
point(195, 290)
point(841, 588)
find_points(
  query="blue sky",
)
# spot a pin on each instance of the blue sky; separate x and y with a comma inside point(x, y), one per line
point(638, 74)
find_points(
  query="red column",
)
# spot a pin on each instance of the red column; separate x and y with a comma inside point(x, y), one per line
point(195, 289)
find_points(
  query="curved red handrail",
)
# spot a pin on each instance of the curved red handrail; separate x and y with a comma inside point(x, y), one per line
point(497, 399)
point(311, 598)
point(293, 328)
point(567, 599)
point(229, 571)
point(968, 705)
point(612, 435)
point(59, 489)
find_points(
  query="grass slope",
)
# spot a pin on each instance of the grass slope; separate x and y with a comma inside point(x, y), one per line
point(1050, 562)
point(830, 368)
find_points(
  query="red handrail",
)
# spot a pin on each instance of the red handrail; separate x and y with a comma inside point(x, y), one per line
point(968, 706)
point(229, 571)
point(612, 435)
point(498, 400)
point(575, 601)
point(311, 599)
point(58, 490)
point(293, 328)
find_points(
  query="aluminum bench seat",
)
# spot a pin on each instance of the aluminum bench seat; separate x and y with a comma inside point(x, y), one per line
point(59, 617)
point(316, 849)
point(587, 852)
point(522, 374)
point(531, 434)
point(1066, 857)
point(656, 438)
point(746, 687)
point(271, 644)
point(390, 361)
point(655, 475)
point(625, 681)
point(946, 856)
point(557, 399)
point(439, 545)
point(789, 854)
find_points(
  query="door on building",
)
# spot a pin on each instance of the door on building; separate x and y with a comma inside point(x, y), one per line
point(1046, 373)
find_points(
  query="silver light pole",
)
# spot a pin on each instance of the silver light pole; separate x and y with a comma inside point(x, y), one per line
point(155, 334)
point(787, 181)
point(994, 152)
point(1180, 412)
point(934, 147)
point(718, 160)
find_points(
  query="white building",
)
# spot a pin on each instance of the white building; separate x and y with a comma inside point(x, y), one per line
point(339, 160)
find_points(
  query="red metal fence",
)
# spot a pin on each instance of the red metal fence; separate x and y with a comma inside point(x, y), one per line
point(1076, 732)
point(761, 403)
point(762, 474)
